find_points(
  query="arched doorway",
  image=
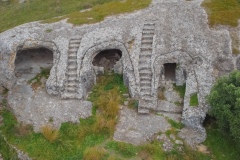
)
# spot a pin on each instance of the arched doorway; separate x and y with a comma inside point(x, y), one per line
point(30, 62)
point(108, 60)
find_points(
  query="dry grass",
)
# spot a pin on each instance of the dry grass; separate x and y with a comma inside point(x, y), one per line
point(108, 103)
point(49, 133)
point(226, 12)
point(94, 153)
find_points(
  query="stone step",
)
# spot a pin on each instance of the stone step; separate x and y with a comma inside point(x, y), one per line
point(72, 69)
point(146, 90)
point(73, 50)
point(148, 32)
point(69, 95)
point(146, 52)
point(71, 85)
point(149, 24)
point(72, 78)
point(72, 57)
point(72, 62)
point(75, 41)
point(147, 38)
point(146, 82)
point(71, 89)
point(72, 66)
point(146, 49)
point(149, 74)
point(145, 78)
point(144, 66)
point(72, 73)
point(142, 110)
point(147, 43)
point(145, 70)
point(73, 45)
point(145, 86)
point(72, 81)
point(146, 94)
point(149, 29)
point(145, 58)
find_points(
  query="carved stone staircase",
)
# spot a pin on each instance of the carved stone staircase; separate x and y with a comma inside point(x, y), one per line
point(71, 85)
point(145, 71)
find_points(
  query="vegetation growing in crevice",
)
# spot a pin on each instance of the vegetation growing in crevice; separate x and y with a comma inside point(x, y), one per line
point(37, 81)
point(194, 99)
point(180, 89)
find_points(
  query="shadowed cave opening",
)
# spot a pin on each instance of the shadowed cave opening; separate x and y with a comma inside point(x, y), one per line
point(29, 62)
point(107, 59)
point(170, 71)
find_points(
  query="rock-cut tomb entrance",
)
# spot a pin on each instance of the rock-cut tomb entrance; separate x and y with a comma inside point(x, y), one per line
point(29, 62)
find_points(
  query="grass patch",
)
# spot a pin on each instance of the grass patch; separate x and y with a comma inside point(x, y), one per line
point(194, 100)
point(180, 89)
point(72, 141)
point(124, 149)
point(222, 146)
point(174, 124)
point(13, 14)
point(94, 153)
point(6, 151)
point(225, 12)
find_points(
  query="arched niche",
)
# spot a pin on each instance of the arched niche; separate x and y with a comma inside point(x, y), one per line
point(108, 60)
point(45, 46)
point(30, 62)
point(86, 69)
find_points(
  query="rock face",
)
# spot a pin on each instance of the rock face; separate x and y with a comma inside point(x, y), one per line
point(168, 32)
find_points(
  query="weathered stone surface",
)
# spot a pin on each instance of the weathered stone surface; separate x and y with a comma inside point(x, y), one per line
point(192, 137)
point(137, 129)
point(38, 108)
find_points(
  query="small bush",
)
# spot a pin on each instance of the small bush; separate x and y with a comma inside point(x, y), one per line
point(94, 153)
point(49, 133)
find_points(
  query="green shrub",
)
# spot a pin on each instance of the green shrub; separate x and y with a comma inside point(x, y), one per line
point(224, 100)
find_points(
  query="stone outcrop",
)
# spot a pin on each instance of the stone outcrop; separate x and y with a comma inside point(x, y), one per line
point(174, 31)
